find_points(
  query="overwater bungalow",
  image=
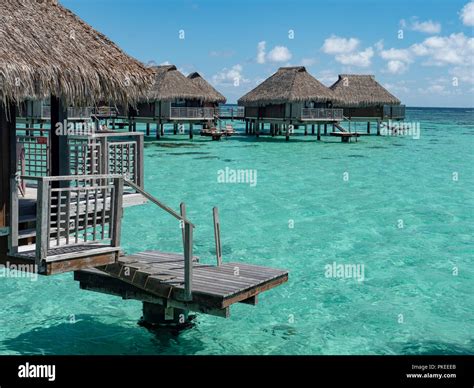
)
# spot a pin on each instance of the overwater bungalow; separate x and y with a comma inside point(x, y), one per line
point(62, 195)
point(213, 97)
point(177, 100)
point(288, 99)
point(364, 99)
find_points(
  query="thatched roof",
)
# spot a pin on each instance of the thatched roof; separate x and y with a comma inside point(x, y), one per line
point(170, 84)
point(45, 49)
point(206, 88)
point(288, 84)
point(357, 90)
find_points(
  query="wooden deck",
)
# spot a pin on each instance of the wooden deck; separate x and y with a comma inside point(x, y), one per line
point(159, 277)
point(28, 203)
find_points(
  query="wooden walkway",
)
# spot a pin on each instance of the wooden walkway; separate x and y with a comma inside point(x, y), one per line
point(160, 276)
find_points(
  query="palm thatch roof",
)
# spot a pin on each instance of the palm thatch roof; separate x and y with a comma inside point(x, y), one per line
point(170, 84)
point(356, 90)
point(288, 84)
point(45, 49)
point(207, 88)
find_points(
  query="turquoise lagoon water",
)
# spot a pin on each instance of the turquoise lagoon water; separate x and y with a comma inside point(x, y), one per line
point(410, 302)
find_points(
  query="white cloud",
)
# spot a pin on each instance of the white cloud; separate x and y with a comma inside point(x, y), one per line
point(399, 87)
point(261, 52)
point(455, 49)
point(184, 71)
point(434, 89)
point(308, 61)
point(463, 74)
point(404, 55)
point(360, 58)
point(337, 45)
point(467, 14)
point(428, 27)
point(396, 67)
point(230, 77)
point(279, 54)
point(327, 77)
point(379, 45)
point(165, 63)
point(345, 52)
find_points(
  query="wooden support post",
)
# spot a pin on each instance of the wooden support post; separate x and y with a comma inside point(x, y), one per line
point(42, 222)
point(158, 130)
point(368, 127)
point(148, 129)
point(319, 132)
point(118, 211)
point(325, 129)
point(287, 132)
point(246, 127)
point(217, 235)
point(334, 128)
point(175, 128)
point(59, 141)
point(140, 169)
point(182, 210)
point(188, 261)
point(378, 128)
point(306, 130)
point(272, 129)
point(257, 129)
point(162, 129)
point(191, 131)
point(155, 314)
point(7, 171)
point(312, 129)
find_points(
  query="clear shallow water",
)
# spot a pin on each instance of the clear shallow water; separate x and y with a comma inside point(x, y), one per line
point(408, 271)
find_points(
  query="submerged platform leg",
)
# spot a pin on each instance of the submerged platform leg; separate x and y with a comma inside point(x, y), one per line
point(157, 315)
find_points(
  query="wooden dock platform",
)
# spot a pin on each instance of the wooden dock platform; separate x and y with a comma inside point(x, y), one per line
point(158, 277)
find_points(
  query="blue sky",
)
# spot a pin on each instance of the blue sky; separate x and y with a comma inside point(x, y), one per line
point(423, 51)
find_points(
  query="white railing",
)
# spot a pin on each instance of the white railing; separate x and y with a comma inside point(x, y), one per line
point(72, 211)
point(321, 114)
point(96, 153)
point(80, 113)
point(33, 152)
point(231, 111)
point(193, 113)
point(108, 153)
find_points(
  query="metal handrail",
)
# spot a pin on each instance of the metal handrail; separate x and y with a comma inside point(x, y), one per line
point(187, 238)
point(157, 202)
